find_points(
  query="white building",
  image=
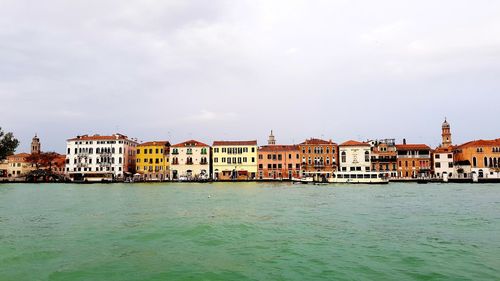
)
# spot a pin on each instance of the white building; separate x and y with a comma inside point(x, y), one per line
point(443, 163)
point(189, 160)
point(355, 156)
point(94, 158)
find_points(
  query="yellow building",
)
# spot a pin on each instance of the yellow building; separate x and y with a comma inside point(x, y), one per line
point(234, 160)
point(152, 160)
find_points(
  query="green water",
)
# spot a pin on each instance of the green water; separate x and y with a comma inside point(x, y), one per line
point(249, 231)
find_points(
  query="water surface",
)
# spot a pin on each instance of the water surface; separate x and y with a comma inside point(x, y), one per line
point(249, 231)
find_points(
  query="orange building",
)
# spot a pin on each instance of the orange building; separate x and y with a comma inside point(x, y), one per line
point(276, 162)
point(414, 160)
point(483, 156)
point(318, 158)
point(384, 157)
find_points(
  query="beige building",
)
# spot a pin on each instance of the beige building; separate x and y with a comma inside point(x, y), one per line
point(18, 166)
point(189, 160)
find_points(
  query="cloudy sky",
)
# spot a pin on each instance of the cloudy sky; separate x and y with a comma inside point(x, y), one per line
point(213, 70)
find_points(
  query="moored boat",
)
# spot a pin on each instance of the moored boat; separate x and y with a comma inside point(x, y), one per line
point(359, 178)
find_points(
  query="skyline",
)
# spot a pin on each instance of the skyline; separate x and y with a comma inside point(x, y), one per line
point(179, 70)
point(261, 141)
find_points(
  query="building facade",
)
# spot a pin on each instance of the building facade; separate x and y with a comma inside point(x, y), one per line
point(414, 160)
point(95, 158)
point(19, 166)
point(483, 156)
point(152, 160)
point(278, 162)
point(234, 160)
point(190, 160)
point(318, 158)
point(384, 157)
point(355, 156)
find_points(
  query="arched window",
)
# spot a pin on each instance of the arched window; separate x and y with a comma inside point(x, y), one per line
point(367, 156)
point(343, 157)
point(486, 161)
point(474, 162)
point(491, 162)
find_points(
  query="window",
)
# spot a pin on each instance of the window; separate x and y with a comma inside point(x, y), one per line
point(367, 156)
point(343, 157)
point(438, 165)
point(253, 159)
point(450, 156)
point(437, 156)
point(450, 165)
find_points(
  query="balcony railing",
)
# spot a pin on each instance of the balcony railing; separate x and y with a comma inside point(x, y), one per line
point(414, 156)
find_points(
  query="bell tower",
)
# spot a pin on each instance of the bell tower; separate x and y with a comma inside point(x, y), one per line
point(446, 134)
point(35, 145)
point(271, 140)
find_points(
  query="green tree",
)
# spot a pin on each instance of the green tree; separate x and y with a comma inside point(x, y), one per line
point(8, 144)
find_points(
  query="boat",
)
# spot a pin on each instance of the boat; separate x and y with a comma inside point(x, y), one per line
point(304, 180)
point(359, 177)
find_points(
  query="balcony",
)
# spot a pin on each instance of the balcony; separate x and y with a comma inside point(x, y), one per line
point(384, 159)
point(414, 156)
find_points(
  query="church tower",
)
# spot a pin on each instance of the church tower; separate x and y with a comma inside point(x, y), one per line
point(271, 140)
point(35, 145)
point(446, 134)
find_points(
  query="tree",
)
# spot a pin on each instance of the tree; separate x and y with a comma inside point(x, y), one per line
point(42, 159)
point(8, 144)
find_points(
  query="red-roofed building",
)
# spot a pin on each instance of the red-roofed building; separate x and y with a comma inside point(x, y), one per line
point(277, 162)
point(318, 158)
point(355, 156)
point(483, 157)
point(152, 161)
point(414, 160)
point(19, 166)
point(234, 160)
point(190, 160)
point(96, 158)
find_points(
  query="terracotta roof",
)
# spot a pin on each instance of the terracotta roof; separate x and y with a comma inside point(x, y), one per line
point(152, 143)
point(495, 142)
point(190, 143)
point(354, 143)
point(99, 137)
point(316, 141)
point(227, 143)
point(444, 149)
point(271, 148)
point(22, 154)
point(412, 147)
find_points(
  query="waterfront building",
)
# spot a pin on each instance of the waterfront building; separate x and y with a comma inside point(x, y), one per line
point(482, 156)
point(190, 160)
point(277, 162)
point(318, 158)
point(355, 156)
point(442, 156)
point(95, 158)
point(234, 160)
point(414, 160)
point(19, 166)
point(384, 157)
point(152, 160)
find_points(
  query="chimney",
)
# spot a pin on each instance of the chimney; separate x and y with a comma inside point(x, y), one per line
point(404, 141)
